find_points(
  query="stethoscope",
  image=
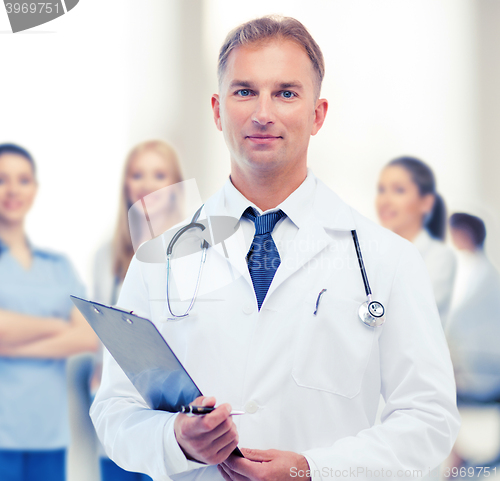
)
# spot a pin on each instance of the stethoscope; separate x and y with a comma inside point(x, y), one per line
point(371, 313)
point(192, 225)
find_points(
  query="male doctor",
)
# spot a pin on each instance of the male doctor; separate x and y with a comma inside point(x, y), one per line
point(283, 340)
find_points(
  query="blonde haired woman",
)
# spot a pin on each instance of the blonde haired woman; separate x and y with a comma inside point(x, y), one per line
point(149, 167)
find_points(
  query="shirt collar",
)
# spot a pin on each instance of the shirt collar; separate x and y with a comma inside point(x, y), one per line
point(295, 206)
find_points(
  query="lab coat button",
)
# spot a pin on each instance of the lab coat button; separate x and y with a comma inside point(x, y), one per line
point(251, 407)
point(248, 309)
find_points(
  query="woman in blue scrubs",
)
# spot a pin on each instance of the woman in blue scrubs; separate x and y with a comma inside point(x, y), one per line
point(39, 329)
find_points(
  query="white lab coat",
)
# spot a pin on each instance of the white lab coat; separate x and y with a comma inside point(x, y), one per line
point(309, 384)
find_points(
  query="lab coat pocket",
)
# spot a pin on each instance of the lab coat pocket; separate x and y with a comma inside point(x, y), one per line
point(333, 347)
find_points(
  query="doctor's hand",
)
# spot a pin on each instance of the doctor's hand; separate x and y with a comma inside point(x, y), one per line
point(268, 465)
point(210, 438)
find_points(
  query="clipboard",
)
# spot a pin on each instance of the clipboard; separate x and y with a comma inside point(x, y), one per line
point(145, 357)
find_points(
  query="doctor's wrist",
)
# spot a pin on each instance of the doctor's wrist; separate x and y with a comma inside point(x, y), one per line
point(183, 448)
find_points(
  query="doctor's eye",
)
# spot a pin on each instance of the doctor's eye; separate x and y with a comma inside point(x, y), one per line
point(244, 92)
point(288, 94)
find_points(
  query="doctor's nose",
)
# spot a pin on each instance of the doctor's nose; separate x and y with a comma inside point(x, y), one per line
point(263, 113)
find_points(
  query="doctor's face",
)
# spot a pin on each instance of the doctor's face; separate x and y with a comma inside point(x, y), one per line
point(267, 107)
point(400, 206)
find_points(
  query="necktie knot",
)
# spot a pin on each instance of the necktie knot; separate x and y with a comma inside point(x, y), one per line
point(264, 224)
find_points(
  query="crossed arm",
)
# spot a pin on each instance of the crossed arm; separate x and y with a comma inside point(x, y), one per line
point(23, 335)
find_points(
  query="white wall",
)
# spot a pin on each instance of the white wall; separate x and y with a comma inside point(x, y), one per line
point(78, 93)
point(401, 79)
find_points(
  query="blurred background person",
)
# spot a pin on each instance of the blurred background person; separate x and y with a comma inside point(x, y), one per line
point(39, 329)
point(473, 330)
point(473, 333)
point(149, 168)
point(407, 203)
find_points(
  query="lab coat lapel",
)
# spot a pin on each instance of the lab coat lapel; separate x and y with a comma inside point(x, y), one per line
point(329, 212)
point(310, 240)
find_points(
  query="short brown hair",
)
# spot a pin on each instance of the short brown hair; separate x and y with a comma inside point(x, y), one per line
point(268, 28)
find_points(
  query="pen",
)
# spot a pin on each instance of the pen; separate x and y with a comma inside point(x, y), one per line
point(200, 410)
point(317, 301)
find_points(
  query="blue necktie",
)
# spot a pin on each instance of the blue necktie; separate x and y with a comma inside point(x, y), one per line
point(263, 257)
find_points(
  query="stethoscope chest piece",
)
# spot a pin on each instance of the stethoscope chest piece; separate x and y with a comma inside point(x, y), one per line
point(372, 313)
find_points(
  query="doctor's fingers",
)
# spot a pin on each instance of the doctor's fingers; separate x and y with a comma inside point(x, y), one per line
point(219, 419)
point(215, 446)
point(196, 428)
point(211, 447)
point(224, 446)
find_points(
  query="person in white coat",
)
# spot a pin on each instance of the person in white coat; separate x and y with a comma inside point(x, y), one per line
point(409, 205)
point(300, 363)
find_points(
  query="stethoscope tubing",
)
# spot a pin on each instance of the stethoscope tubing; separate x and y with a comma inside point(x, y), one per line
point(193, 224)
point(361, 264)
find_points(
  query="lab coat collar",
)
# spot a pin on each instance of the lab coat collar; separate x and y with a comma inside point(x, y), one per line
point(330, 211)
point(296, 206)
point(327, 207)
point(326, 212)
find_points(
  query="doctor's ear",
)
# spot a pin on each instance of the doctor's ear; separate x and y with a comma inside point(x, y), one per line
point(216, 111)
point(319, 115)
